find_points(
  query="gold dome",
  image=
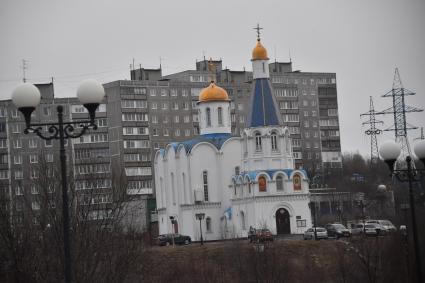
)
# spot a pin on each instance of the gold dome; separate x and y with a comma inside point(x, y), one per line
point(259, 52)
point(213, 93)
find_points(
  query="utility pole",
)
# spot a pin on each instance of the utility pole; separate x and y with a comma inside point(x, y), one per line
point(373, 131)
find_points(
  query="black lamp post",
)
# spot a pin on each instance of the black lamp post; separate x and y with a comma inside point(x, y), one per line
point(26, 98)
point(200, 216)
point(312, 207)
point(173, 223)
point(390, 151)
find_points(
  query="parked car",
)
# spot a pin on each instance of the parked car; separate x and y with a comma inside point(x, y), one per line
point(385, 225)
point(320, 232)
point(337, 230)
point(373, 229)
point(259, 235)
point(356, 228)
point(167, 239)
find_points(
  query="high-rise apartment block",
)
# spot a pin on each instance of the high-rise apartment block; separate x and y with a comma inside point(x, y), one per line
point(150, 110)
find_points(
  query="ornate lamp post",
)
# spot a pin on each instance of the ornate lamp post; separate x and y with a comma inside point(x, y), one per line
point(26, 98)
point(390, 151)
point(200, 216)
point(173, 229)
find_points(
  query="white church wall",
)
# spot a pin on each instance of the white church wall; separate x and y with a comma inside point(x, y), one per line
point(203, 157)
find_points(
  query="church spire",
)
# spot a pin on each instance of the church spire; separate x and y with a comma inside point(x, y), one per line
point(263, 108)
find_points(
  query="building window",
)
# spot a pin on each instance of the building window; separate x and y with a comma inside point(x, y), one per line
point(279, 183)
point(48, 143)
point(17, 144)
point(262, 184)
point(33, 158)
point(220, 116)
point(208, 224)
point(274, 141)
point(243, 226)
point(17, 159)
point(205, 181)
point(208, 117)
point(258, 142)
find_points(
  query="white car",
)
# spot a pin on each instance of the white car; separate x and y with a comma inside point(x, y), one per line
point(373, 229)
point(320, 232)
point(385, 225)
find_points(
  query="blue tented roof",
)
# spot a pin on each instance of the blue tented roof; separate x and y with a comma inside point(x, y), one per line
point(263, 108)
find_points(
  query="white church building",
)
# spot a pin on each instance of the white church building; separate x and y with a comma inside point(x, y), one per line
point(235, 181)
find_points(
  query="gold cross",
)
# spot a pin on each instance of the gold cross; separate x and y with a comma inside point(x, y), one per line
point(258, 31)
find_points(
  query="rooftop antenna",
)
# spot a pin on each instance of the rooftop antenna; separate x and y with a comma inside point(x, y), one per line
point(160, 62)
point(258, 28)
point(373, 131)
point(275, 56)
point(24, 67)
point(133, 64)
point(203, 54)
point(290, 58)
point(399, 110)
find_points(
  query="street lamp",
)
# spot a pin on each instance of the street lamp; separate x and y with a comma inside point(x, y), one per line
point(26, 98)
point(173, 230)
point(312, 207)
point(200, 216)
point(390, 151)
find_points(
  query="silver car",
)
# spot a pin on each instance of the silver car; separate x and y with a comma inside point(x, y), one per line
point(320, 232)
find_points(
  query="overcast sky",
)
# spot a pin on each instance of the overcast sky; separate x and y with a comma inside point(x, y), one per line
point(361, 41)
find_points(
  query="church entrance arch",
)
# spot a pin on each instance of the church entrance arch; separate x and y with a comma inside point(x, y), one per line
point(283, 224)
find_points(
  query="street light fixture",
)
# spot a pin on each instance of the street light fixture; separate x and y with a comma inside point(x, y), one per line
point(200, 216)
point(173, 229)
point(390, 151)
point(26, 98)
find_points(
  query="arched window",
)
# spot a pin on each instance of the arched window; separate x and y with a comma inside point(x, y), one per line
point(184, 188)
point(264, 67)
point(205, 182)
point(243, 220)
point(208, 117)
point(279, 183)
point(258, 142)
point(274, 141)
point(220, 116)
point(262, 184)
point(208, 223)
point(173, 191)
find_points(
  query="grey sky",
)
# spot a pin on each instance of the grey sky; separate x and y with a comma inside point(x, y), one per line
point(361, 41)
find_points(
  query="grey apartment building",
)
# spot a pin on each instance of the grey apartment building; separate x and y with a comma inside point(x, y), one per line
point(147, 112)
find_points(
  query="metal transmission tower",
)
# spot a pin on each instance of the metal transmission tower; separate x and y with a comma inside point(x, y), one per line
point(399, 110)
point(373, 131)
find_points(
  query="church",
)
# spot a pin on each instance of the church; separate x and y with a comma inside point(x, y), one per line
point(234, 182)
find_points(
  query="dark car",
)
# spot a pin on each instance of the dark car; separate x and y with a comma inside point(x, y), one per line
point(167, 239)
point(260, 235)
point(337, 230)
